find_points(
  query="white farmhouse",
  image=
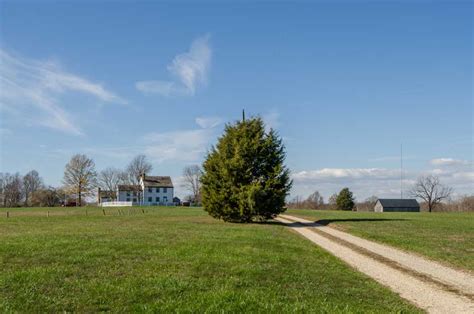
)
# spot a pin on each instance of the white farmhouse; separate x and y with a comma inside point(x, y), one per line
point(152, 190)
point(156, 190)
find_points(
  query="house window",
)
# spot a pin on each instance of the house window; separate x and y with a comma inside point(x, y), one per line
point(157, 199)
point(128, 199)
point(165, 199)
point(164, 190)
point(134, 199)
point(157, 190)
point(150, 190)
point(150, 200)
point(128, 193)
point(134, 193)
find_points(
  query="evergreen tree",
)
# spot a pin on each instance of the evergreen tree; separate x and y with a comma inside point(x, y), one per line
point(345, 200)
point(244, 175)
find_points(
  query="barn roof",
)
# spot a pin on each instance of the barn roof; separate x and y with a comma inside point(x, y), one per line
point(396, 202)
point(158, 181)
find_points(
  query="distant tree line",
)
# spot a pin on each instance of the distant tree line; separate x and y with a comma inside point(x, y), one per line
point(80, 180)
point(433, 196)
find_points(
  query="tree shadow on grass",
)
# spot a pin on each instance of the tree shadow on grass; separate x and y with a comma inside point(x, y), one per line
point(326, 222)
point(323, 222)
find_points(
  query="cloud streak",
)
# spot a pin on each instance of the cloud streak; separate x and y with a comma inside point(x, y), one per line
point(190, 70)
point(208, 122)
point(33, 89)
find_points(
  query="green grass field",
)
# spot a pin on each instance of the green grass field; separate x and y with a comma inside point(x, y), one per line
point(170, 260)
point(446, 237)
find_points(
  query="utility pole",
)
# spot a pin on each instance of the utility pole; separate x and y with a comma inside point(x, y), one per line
point(243, 115)
point(401, 171)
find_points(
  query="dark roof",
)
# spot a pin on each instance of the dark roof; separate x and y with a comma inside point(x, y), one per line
point(158, 181)
point(105, 193)
point(396, 202)
point(126, 187)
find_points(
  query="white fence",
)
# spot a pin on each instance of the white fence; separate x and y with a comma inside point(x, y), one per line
point(116, 204)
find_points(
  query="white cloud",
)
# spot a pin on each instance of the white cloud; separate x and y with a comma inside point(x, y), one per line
point(30, 84)
point(190, 70)
point(442, 162)
point(382, 182)
point(184, 145)
point(208, 122)
point(346, 174)
point(165, 88)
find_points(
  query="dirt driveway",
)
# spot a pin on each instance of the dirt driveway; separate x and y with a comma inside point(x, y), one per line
point(427, 284)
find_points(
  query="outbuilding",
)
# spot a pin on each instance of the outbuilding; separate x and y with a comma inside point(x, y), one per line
point(396, 205)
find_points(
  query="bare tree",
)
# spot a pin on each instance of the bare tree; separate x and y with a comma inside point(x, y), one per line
point(31, 183)
point(137, 167)
point(314, 200)
point(333, 199)
point(11, 188)
point(431, 191)
point(109, 179)
point(192, 181)
point(46, 197)
point(80, 176)
point(124, 177)
point(368, 204)
point(3, 182)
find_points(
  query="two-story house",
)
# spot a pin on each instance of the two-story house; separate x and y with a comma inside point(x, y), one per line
point(151, 190)
point(156, 190)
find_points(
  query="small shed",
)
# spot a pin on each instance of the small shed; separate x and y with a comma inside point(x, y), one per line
point(396, 205)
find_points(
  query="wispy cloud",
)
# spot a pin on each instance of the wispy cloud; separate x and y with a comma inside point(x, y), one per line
point(208, 122)
point(182, 145)
point(185, 145)
point(441, 162)
point(345, 174)
point(30, 84)
point(190, 70)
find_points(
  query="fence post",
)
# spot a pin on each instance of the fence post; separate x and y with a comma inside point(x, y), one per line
point(8, 214)
point(103, 210)
point(143, 210)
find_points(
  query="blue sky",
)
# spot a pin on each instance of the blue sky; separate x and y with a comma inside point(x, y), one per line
point(344, 83)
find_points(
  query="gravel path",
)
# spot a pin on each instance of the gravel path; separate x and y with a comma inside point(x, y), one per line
point(429, 285)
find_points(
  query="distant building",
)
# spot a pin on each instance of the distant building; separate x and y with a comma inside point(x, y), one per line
point(128, 193)
point(105, 196)
point(396, 205)
point(176, 201)
point(156, 190)
point(152, 190)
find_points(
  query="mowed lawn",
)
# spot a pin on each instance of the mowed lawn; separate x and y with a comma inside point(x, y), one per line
point(170, 260)
point(446, 237)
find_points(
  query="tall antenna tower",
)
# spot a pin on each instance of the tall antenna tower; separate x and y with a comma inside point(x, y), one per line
point(401, 171)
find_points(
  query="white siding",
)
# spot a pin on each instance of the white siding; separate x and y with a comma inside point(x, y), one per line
point(378, 207)
point(128, 196)
point(158, 197)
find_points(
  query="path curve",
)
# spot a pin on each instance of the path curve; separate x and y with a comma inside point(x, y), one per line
point(429, 285)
